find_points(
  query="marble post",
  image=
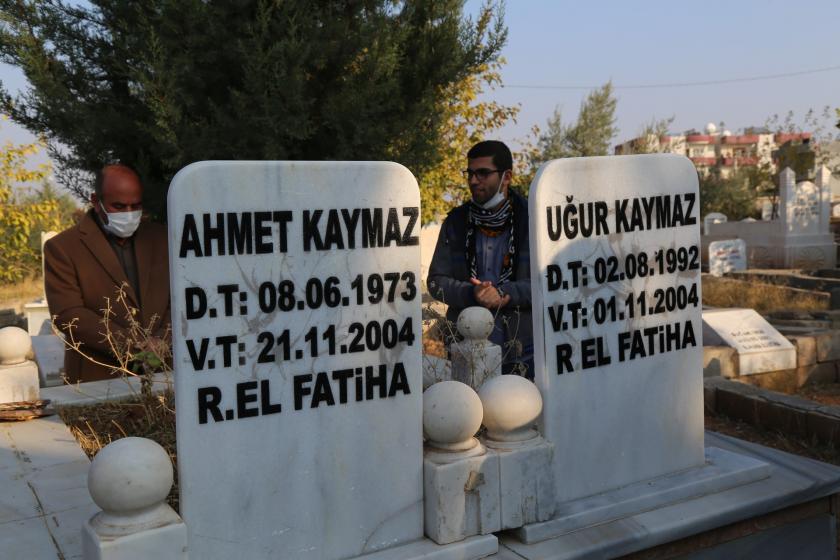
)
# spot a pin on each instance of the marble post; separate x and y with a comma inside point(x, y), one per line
point(18, 376)
point(512, 405)
point(460, 478)
point(475, 359)
point(130, 479)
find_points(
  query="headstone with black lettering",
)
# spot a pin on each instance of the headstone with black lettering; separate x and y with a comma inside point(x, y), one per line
point(760, 347)
point(615, 269)
point(297, 358)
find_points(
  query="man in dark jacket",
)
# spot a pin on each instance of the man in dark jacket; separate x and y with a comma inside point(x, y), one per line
point(482, 256)
point(86, 267)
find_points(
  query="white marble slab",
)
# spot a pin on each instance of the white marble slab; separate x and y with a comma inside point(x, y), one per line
point(622, 404)
point(38, 319)
point(461, 496)
point(727, 255)
point(761, 348)
point(103, 390)
point(472, 548)
point(19, 382)
point(721, 471)
point(49, 355)
point(793, 480)
point(45, 501)
point(800, 205)
point(277, 456)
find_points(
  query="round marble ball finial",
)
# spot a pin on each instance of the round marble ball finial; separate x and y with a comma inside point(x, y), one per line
point(451, 415)
point(15, 344)
point(475, 323)
point(511, 406)
point(130, 475)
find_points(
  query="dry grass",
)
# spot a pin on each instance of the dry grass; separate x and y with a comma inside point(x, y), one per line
point(95, 426)
point(823, 393)
point(15, 295)
point(773, 438)
point(764, 298)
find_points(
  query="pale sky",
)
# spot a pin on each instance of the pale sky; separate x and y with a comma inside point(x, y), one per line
point(648, 42)
point(571, 43)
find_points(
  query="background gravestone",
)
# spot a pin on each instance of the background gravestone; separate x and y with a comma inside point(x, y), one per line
point(297, 357)
point(713, 218)
point(727, 255)
point(761, 348)
point(615, 270)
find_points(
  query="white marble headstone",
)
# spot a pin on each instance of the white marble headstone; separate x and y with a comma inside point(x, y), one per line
point(727, 255)
point(805, 207)
point(297, 357)
point(615, 268)
point(713, 218)
point(760, 347)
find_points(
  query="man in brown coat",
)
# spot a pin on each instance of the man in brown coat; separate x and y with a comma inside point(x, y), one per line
point(86, 265)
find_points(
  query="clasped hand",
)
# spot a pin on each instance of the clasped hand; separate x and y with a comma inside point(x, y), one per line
point(487, 295)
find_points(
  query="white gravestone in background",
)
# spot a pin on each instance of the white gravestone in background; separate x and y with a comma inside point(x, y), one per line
point(713, 218)
point(297, 357)
point(760, 347)
point(727, 256)
point(767, 211)
point(802, 209)
point(615, 268)
point(805, 211)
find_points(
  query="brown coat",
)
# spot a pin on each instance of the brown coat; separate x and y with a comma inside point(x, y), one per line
point(81, 270)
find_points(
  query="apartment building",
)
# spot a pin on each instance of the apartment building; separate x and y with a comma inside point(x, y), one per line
point(719, 148)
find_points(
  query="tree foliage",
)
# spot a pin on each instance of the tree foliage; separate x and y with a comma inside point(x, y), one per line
point(21, 219)
point(163, 84)
point(590, 135)
point(649, 139)
point(734, 196)
point(466, 121)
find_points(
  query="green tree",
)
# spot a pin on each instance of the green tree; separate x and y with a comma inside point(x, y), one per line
point(734, 196)
point(649, 139)
point(163, 84)
point(466, 121)
point(590, 135)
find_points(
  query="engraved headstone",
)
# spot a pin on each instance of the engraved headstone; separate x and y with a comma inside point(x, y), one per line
point(297, 358)
point(760, 347)
point(801, 207)
point(615, 268)
point(727, 256)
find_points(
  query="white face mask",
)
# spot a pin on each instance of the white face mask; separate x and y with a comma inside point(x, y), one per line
point(497, 198)
point(121, 224)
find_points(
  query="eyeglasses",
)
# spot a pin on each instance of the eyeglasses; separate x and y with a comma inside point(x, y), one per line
point(481, 173)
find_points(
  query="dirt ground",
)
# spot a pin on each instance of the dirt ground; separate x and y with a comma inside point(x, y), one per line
point(825, 393)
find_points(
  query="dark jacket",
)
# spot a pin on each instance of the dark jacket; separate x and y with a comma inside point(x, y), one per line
point(81, 272)
point(449, 277)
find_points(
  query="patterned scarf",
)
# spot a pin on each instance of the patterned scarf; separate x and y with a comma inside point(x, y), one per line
point(491, 223)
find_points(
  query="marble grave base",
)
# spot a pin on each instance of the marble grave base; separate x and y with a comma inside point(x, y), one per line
point(723, 470)
point(471, 548)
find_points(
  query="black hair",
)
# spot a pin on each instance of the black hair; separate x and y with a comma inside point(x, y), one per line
point(502, 157)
